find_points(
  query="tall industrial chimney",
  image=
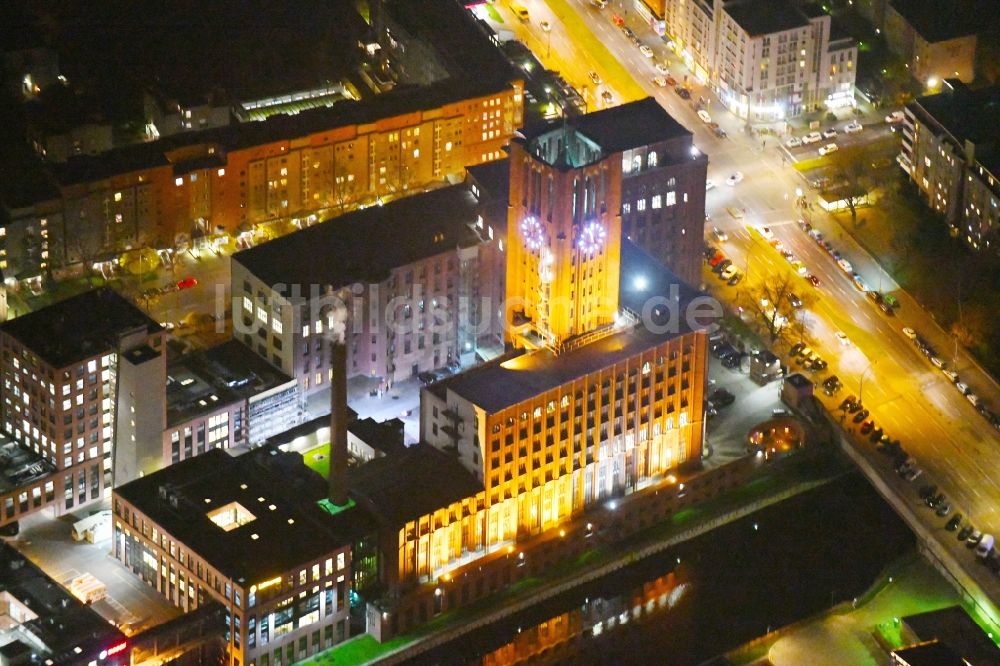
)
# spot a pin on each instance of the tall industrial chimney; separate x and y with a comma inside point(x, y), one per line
point(338, 424)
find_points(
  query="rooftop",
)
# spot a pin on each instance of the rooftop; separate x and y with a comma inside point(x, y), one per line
point(385, 436)
point(765, 17)
point(509, 380)
point(78, 327)
point(205, 380)
point(954, 627)
point(619, 128)
point(964, 17)
point(278, 523)
point(966, 114)
point(934, 653)
point(398, 488)
point(62, 622)
point(366, 245)
point(20, 466)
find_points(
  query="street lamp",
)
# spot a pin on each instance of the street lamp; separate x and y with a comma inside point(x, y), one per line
point(861, 386)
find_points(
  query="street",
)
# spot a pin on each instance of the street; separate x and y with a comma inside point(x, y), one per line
point(908, 397)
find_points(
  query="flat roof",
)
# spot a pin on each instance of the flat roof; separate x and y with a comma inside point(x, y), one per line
point(367, 244)
point(962, 17)
point(79, 327)
point(288, 528)
point(204, 380)
point(63, 621)
point(934, 653)
point(953, 627)
point(20, 466)
point(764, 17)
point(415, 482)
point(619, 128)
point(966, 114)
point(514, 378)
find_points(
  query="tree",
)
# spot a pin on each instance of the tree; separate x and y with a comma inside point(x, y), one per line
point(772, 303)
point(853, 168)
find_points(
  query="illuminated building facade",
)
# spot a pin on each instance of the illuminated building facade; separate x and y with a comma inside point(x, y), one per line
point(414, 276)
point(250, 532)
point(767, 59)
point(188, 188)
point(950, 149)
point(71, 376)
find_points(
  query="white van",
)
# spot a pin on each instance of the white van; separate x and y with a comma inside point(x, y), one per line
point(985, 546)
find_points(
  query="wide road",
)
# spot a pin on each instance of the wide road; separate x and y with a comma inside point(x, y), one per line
point(911, 399)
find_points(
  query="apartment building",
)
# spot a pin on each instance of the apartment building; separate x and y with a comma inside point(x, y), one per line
point(409, 283)
point(187, 188)
point(254, 533)
point(936, 46)
point(951, 151)
point(767, 59)
point(76, 401)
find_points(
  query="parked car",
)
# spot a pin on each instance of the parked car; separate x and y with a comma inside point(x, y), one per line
point(735, 178)
point(683, 92)
point(950, 374)
point(728, 272)
point(848, 402)
point(661, 69)
point(829, 132)
point(659, 82)
point(861, 416)
point(545, 26)
point(963, 388)
point(812, 137)
point(721, 398)
point(867, 427)
point(796, 348)
point(985, 546)
point(827, 149)
point(607, 98)
point(793, 142)
point(954, 522)
point(853, 127)
point(794, 300)
point(703, 115)
point(187, 283)
point(812, 279)
point(595, 78)
point(910, 333)
point(843, 339)
point(845, 266)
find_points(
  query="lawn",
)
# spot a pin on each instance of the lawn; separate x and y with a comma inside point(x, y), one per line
point(318, 459)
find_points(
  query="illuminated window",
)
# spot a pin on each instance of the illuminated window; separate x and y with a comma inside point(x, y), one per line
point(178, 181)
point(221, 172)
point(118, 196)
point(657, 201)
point(247, 304)
point(671, 198)
point(276, 325)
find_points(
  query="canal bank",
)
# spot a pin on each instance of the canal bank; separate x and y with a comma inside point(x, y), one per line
point(772, 484)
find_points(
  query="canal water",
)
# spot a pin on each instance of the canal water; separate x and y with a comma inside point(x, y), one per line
point(710, 594)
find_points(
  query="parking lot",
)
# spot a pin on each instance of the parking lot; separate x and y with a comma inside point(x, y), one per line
point(129, 604)
point(726, 432)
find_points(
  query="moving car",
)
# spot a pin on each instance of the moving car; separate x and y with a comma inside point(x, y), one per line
point(545, 26)
point(662, 69)
point(812, 137)
point(646, 51)
point(600, 4)
point(728, 272)
point(595, 78)
point(793, 142)
point(735, 178)
point(845, 265)
point(842, 337)
point(607, 98)
point(520, 11)
point(763, 231)
point(187, 283)
point(720, 235)
point(719, 132)
point(659, 82)
point(794, 300)
point(683, 92)
point(910, 333)
point(705, 118)
point(828, 148)
point(853, 127)
point(813, 280)
point(829, 133)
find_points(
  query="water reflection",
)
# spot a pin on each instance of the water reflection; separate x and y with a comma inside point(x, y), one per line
point(596, 617)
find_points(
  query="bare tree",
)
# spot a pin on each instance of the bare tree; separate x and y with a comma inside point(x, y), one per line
point(772, 302)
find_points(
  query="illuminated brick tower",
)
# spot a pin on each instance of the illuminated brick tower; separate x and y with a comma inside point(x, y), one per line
point(564, 238)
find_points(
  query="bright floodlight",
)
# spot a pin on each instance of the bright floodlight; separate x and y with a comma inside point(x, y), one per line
point(695, 152)
point(641, 283)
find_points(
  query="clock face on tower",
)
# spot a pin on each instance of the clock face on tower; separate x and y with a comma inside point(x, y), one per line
point(591, 238)
point(531, 231)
